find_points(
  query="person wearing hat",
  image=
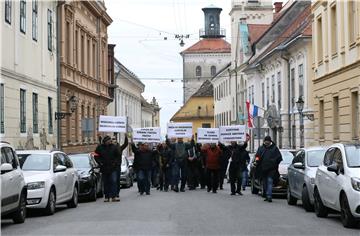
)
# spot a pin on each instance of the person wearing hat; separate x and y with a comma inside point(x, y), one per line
point(268, 158)
point(106, 154)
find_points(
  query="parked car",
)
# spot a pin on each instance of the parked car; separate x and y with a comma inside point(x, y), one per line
point(337, 183)
point(131, 163)
point(90, 177)
point(13, 187)
point(301, 176)
point(51, 179)
point(127, 176)
point(279, 188)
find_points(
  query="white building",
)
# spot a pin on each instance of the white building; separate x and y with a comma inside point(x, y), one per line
point(28, 73)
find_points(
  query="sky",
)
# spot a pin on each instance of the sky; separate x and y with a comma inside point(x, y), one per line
point(139, 30)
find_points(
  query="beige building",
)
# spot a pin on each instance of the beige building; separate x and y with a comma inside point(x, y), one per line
point(336, 65)
point(28, 74)
point(150, 113)
point(86, 83)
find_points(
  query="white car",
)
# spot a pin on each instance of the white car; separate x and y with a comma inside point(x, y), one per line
point(301, 176)
point(51, 179)
point(337, 183)
point(13, 187)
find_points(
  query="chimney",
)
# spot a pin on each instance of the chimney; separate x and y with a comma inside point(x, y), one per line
point(278, 6)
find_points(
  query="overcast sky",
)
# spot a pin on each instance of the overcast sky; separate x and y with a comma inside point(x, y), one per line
point(138, 30)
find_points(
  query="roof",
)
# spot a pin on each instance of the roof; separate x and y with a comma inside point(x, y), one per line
point(256, 30)
point(205, 90)
point(209, 45)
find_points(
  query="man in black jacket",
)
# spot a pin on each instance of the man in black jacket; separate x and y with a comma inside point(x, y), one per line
point(118, 163)
point(143, 162)
point(166, 159)
point(106, 155)
point(268, 158)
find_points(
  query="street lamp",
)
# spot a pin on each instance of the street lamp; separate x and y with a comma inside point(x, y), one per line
point(73, 102)
point(300, 106)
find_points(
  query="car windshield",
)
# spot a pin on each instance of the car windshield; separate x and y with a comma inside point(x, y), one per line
point(353, 155)
point(315, 157)
point(35, 162)
point(287, 157)
point(80, 161)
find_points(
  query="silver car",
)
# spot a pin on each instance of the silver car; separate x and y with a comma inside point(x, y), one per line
point(301, 176)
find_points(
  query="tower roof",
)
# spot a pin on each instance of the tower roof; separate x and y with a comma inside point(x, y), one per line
point(212, 6)
point(209, 45)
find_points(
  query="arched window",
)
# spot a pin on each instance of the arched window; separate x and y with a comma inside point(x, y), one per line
point(213, 70)
point(198, 71)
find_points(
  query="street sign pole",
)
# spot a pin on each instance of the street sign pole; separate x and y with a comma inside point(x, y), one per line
point(258, 128)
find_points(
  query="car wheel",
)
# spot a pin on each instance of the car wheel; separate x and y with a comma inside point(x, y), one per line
point(320, 209)
point(20, 215)
point(347, 218)
point(254, 190)
point(51, 205)
point(93, 194)
point(306, 200)
point(290, 199)
point(75, 198)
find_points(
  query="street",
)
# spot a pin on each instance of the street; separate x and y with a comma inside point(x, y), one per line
point(190, 213)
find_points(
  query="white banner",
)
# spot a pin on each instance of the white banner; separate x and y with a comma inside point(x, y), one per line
point(112, 124)
point(147, 135)
point(232, 133)
point(179, 130)
point(208, 135)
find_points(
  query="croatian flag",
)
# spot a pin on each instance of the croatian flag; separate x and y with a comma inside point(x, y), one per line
point(253, 111)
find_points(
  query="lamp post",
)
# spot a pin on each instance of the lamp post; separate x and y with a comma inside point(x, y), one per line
point(300, 107)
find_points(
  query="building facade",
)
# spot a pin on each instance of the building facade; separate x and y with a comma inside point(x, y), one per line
point(85, 88)
point(205, 58)
point(336, 63)
point(28, 85)
point(199, 109)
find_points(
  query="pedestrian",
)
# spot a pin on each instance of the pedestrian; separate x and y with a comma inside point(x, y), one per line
point(180, 164)
point(106, 156)
point(224, 162)
point(201, 167)
point(155, 170)
point(268, 158)
point(118, 163)
point(166, 158)
point(143, 162)
point(192, 161)
point(213, 154)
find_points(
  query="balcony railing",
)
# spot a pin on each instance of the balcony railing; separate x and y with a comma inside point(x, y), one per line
point(221, 33)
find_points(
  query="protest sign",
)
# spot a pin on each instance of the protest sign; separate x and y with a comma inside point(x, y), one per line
point(208, 135)
point(179, 130)
point(232, 133)
point(147, 135)
point(115, 124)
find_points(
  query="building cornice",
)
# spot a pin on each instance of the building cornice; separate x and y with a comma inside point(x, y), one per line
point(355, 65)
point(94, 7)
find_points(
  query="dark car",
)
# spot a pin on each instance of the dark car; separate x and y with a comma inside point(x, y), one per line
point(90, 178)
point(279, 188)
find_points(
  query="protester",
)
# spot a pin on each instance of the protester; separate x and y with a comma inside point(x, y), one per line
point(224, 162)
point(268, 158)
point(155, 170)
point(192, 161)
point(213, 154)
point(143, 162)
point(118, 163)
point(239, 158)
point(201, 166)
point(106, 155)
point(166, 159)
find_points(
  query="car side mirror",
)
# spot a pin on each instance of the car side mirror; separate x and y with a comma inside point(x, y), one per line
point(299, 165)
point(333, 168)
point(6, 167)
point(60, 168)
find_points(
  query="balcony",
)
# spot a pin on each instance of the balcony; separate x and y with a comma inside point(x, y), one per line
point(212, 34)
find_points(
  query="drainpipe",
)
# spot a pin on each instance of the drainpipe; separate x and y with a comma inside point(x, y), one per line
point(98, 68)
point(289, 99)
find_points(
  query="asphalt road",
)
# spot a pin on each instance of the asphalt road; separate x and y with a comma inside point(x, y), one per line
point(190, 213)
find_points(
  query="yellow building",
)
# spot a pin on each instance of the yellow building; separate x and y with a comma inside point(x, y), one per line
point(336, 65)
point(199, 109)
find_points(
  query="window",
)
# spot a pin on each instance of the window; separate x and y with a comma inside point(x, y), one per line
point(263, 94)
point(292, 78)
point(329, 158)
point(9, 157)
point(82, 43)
point(49, 28)
point(23, 16)
point(8, 11)
point(321, 119)
point(22, 111)
point(68, 44)
point(352, 21)
point(2, 109)
point(89, 58)
point(355, 114)
point(198, 71)
point(206, 125)
point(76, 48)
point(267, 91)
point(336, 117)
point(252, 94)
point(301, 80)
point(50, 116)
point(35, 20)
point(279, 89)
point(35, 113)
point(273, 88)
point(213, 70)
point(334, 33)
point(319, 40)
point(93, 59)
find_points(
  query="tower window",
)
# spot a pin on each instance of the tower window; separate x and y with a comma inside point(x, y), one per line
point(198, 71)
point(213, 70)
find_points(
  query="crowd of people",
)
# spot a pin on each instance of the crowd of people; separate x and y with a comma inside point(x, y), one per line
point(175, 164)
